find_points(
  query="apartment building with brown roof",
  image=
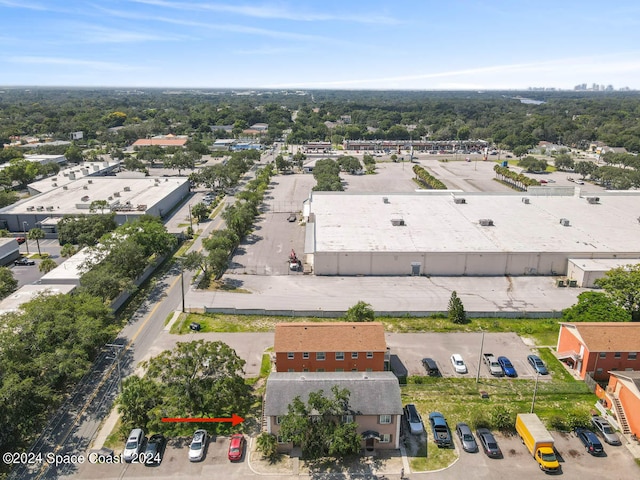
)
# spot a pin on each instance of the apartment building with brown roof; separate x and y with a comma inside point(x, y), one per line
point(330, 347)
point(596, 348)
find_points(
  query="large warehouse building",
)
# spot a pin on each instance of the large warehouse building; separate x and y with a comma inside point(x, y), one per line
point(475, 234)
point(127, 197)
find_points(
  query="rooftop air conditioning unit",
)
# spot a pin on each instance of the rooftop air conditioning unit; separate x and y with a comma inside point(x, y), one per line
point(385, 199)
point(593, 200)
point(486, 222)
point(30, 209)
point(127, 189)
point(397, 222)
point(525, 200)
point(89, 181)
point(564, 222)
point(85, 187)
point(85, 198)
point(116, 194)
point(50, 208)
point(65, 187)
point(54, 184)
point(459, 200)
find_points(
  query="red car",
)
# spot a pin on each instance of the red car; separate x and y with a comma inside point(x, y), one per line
point(236, 447)
point(20, 240)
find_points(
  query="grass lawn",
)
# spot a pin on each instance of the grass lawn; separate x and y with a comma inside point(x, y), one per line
point(543, 331)
point(458, 399)
point(429, 457)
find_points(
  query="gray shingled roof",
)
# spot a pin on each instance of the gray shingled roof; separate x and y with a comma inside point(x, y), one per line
point(372, 393)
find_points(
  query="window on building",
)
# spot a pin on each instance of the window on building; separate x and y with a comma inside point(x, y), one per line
point(305, 355)
point(369, 370)
point(339, 355)
point(369, 354)
point(277, 420)
point(320, 355)
point(290, 355)
point(385, 438)
point(339, 369)
point(598, 371)
point(618, 355)
point(320, 370)
point(347, 419)
point(291, 370)
point(305, 369)
point(354, 355)
point(385, 419)
point(603, 354)
point(354, 369)
point(632, 355)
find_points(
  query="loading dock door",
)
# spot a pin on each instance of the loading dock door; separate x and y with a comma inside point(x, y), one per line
point(415, 268)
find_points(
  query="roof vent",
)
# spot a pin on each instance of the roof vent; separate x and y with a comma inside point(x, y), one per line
point(85, 187)
point(459, 200)
point(526, 200)
point(564, 222)
point(486, 222)
point(385, 199)
point(397, 222)
point(593, 200)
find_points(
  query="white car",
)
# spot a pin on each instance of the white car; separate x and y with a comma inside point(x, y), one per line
point(198, 446)
point(458, 363)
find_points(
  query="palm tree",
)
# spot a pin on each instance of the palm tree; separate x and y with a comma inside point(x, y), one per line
point(36, 234)
point(47, 264)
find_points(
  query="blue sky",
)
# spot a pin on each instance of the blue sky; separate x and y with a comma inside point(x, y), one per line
point(347, 44)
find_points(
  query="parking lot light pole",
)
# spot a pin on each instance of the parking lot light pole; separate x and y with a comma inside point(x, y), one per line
point(24, 230)
point(480, 359)
point(535, 391)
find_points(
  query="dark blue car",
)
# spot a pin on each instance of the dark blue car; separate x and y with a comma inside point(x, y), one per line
point(507, 367)
point(590, 441)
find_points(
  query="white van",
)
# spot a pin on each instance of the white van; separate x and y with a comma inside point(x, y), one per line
point(134, 445)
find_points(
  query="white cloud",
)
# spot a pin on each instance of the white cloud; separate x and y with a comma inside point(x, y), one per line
point(274, 12)
point(71, 62)
point(98, 34)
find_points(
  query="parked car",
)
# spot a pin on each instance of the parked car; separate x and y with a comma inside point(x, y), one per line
point(590, 441)
point(155, 450)
point(236, 447)
point(198, 446)
point(507, 367)
point(440, 430)
point(605, 430)
point(537, 364)
point(488, 442)
point(416, 427)
point(458, 363)
point(467, 440)
point(134, 444)
point(20, 240)
point(24, 262)
point(431, 367)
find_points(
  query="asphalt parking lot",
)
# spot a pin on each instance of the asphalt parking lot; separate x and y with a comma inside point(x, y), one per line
point(411, 348)
point(518, 463)
point(175, 464)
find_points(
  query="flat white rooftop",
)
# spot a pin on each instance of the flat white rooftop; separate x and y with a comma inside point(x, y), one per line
point(70, 174)
point(602, 264)
point(76, 197)
point(27, 293)
point(69, 271)
point(435, 223)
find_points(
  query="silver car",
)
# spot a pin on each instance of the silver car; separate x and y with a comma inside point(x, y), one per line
point(467, 440)
point(134, 444)
point(604, 428)
point(198, 446)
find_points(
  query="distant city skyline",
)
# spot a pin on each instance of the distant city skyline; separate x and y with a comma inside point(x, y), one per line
point(284, 44)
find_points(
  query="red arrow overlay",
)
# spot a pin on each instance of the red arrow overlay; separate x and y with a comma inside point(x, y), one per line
point(234, 420)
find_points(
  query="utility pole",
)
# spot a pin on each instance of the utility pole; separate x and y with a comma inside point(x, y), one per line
point(535, 391)
point(120, 349)
point(480, 359)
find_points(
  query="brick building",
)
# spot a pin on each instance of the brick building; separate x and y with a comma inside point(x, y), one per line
point(330, 347)
point(599, 348)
